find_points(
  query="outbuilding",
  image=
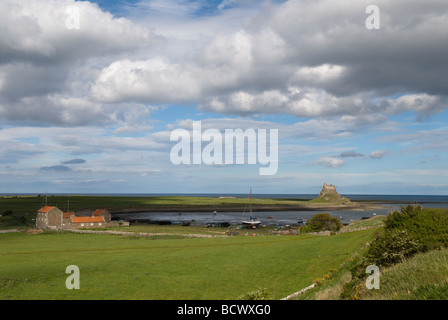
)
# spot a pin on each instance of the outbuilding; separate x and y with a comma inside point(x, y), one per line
point(50, 217)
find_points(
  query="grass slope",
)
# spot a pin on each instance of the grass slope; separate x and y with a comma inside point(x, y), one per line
point(411, 251)
point(115, 267)
point(422, 277)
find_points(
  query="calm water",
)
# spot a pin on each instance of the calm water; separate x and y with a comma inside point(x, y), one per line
point(271, 218)
point(267, 218)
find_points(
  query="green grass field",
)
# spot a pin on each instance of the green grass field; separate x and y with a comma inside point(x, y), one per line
point(160, 268)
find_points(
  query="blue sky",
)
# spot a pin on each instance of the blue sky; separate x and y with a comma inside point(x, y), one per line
point(91, 110)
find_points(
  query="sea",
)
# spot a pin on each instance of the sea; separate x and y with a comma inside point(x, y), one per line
point(387, 203)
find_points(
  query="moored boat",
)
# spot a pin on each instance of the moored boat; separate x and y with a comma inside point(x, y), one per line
point(251, 222)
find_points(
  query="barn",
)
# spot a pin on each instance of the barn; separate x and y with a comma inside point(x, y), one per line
point(50, 217)
point(102, 213)
point(87, 222)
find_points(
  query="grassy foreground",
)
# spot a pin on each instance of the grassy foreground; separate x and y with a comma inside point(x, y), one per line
point(117, 267)
point(411, 253)
point(423, 277)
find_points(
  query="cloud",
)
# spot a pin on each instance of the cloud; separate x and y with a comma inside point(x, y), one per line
point(59, 168)
point(260, 65)
point(226, 4)
point(420, 140)
point(423, 104)
point(74, 161)
point(154, 80)
point(330, 69)
point(36, 32)
point(351, 154)
point(329, 162)
point(36, 45)
point(378, 154)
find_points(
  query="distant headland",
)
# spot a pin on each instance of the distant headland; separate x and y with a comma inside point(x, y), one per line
point(328, 200)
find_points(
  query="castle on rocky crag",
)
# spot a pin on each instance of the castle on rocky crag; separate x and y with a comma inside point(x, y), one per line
point(329, 193)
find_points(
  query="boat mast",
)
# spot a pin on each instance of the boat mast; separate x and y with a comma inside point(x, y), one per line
point(250, 203)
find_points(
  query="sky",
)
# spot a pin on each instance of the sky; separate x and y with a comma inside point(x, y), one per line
point(92, 91)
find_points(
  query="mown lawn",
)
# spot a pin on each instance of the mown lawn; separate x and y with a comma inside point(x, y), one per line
point(116, 267)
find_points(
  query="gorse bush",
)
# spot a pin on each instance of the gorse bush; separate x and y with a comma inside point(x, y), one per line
point(393, 247)
point(428, 226)
point(259, 294)
point(408, 231)
point(396, 219)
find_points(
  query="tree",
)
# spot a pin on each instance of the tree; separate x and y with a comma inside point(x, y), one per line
point(323, 222)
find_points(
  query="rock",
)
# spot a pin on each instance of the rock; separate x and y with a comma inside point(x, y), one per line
point(34, 231)
point(329, 193)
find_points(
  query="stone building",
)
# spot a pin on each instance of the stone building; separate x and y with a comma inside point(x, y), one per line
point(52, 218)
point(88, 222)
point(102, 213)
point(66, 217)
point(49, 218)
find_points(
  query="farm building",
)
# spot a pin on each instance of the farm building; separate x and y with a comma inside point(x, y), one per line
point(52, 218)
point(102, 213)
point(49, 218)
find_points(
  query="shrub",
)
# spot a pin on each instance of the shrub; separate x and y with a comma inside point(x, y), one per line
point(411, 230)
point(426, 225)
point(396, 219)
point(322, 222)
point(260, 294)
point(318, 281)
point(392, 247)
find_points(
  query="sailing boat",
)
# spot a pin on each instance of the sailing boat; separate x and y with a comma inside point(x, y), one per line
point(252, 222)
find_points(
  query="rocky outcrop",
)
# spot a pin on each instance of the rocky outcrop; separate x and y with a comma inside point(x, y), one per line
point(329, 193)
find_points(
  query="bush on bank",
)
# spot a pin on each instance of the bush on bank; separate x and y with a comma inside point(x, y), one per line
point(408, 231)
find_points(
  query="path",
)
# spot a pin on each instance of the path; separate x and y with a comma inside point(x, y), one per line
point(145, 234)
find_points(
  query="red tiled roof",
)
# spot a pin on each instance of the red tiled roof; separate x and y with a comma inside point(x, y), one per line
point(87, 219)
point(45, 209)
point(67, 214)
point(98, 212)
